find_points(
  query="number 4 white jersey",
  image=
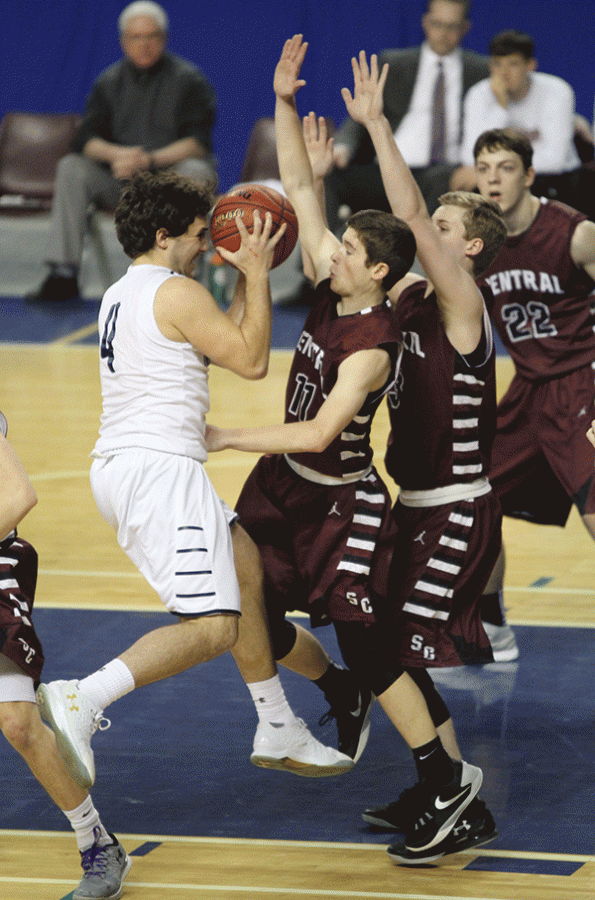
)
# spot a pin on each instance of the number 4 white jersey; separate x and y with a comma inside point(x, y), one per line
point(155, 391)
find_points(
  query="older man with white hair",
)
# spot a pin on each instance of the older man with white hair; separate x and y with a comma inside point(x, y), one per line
point(150, 110)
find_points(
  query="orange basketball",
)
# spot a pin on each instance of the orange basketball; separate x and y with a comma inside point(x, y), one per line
point(241, 202)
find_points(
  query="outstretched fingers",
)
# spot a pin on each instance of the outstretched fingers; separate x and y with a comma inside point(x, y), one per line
point(286, 82)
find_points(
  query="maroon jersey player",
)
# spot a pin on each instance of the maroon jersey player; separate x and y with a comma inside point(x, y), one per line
point(442, 414)
point(104, 861)
point(316, 507)
point(541, 281)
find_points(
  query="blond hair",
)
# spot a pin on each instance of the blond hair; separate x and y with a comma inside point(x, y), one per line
point(483, 219)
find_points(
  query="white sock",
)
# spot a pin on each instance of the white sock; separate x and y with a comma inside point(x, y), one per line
point(108, 684)
point(87, 825)
point(270, 701)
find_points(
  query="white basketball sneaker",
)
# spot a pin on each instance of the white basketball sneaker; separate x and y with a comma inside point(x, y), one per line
point(292, 748)
point(503, 641)
point(74, 720)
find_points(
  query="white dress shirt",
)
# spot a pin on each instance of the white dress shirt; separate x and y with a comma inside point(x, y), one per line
point(414, 134)
point(545, 115)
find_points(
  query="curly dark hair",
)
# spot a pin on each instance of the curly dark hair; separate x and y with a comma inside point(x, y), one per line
point(154, 200)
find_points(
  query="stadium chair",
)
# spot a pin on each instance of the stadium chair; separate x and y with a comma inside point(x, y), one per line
point(31, 145)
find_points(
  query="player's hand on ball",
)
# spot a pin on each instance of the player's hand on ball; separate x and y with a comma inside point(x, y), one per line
point(257, 248)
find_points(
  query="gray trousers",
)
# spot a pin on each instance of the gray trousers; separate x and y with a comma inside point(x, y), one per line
point(81, 182)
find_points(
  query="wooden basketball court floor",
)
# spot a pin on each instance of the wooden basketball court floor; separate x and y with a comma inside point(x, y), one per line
point(174, 781)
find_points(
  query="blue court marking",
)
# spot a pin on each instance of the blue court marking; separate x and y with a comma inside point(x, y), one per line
point(68, 896)
point(541, 582)
point(528, 724)
point(41, 323)
point(145, 848)
point(524, 866)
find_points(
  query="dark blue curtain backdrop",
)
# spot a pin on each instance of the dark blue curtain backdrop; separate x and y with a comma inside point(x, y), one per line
point(52, 51)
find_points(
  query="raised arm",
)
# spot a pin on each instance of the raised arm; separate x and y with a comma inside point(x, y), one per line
point(294, 165)
point(582, 247)
point(460, 300)
point(319, 147)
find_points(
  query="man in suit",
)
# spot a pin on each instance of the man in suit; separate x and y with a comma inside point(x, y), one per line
point(423, 101)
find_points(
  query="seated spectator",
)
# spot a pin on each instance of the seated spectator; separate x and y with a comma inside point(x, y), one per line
point(150, 110)
point(423, 101)
point(541, 106)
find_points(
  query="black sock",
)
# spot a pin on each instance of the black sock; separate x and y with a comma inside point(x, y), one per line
point(339, 686)
point(492, 609)
point(434, 765)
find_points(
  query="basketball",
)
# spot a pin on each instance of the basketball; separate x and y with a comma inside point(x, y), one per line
point(242, 201)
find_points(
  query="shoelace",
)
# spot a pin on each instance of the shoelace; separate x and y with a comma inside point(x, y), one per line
point(333, 713)
point(100, 723)
point(94, 860)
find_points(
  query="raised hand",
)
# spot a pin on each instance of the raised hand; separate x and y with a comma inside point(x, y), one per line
point(500, 89)
point(318, 144)
point(286, 82)
point(366, 104)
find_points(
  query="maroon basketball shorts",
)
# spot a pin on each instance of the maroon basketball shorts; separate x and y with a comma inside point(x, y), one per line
point(443, 559)
point(325, 549)
point(18, 578)
point(541, 460)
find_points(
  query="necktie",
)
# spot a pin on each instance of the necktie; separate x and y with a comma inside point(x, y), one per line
point(438, 145)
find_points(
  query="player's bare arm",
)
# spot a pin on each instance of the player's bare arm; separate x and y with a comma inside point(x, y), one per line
point(319, 147)
point(186, 311)
point(294, 165)
point(359, 375)
point(237, 307)
point(405, 282)
point(582, 247)
point(460, 301)
point(17, 495)
point(591, 433)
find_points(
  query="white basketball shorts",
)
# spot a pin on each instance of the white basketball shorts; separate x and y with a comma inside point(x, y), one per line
point(172, 525)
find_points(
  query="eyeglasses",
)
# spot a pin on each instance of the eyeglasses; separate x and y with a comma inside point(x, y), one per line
point(453, 27)
point(153, 37)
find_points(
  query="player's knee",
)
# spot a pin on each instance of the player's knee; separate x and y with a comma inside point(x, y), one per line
point(71, 168)
point(228, 632)
point(15, 724)
point(283, 638)
point(370, 654)
point(584, 500)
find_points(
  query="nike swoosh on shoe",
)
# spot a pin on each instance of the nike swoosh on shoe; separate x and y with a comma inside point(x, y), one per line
point(441, 804)
point(358, 711)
